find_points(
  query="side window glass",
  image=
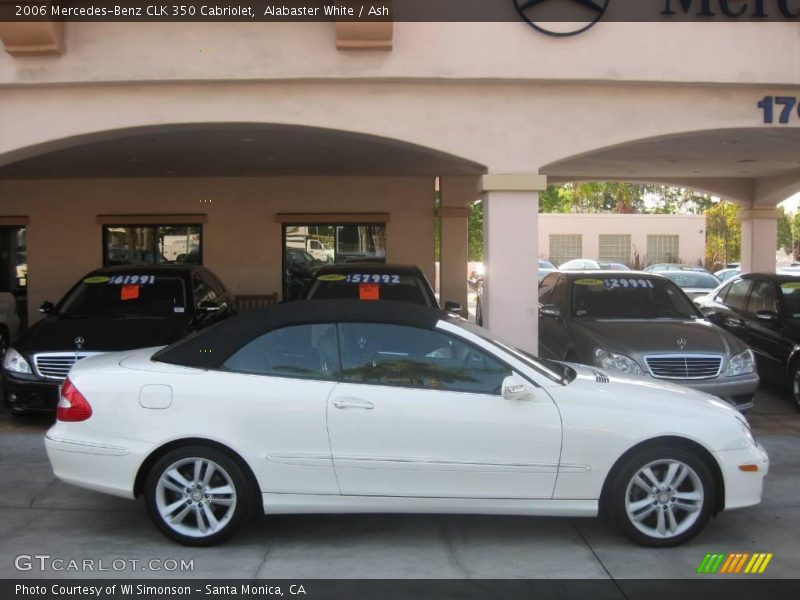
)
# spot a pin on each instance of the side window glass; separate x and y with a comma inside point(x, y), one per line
point(213, 282)
point(546, 288)
point(559, 292)
point(720, 297)
point(737, 294)
point(763, 297)
point(402, 356)
point(301, 352)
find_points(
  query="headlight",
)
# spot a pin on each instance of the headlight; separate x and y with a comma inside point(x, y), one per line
point(616, 362)
point(14, 362)
point(741, 364)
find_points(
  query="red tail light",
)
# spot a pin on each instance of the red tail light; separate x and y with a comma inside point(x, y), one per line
point(72, 406)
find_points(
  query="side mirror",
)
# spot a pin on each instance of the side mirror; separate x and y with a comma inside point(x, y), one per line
point(453, 307)
point(712, 315)
point(768, 316)
point(516, 388)
point(550, 310)
point(209, 306)
point(47, 307)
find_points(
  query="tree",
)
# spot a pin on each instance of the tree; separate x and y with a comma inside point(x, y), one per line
point(785, 236)
point(723, 235)
point(475, 233)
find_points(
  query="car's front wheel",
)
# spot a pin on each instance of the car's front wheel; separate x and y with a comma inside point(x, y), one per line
point(197, 495)
point(662, 496)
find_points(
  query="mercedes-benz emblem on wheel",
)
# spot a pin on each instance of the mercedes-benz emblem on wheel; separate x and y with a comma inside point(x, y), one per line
point(79, 342)
point(682, 343)
point(561, 17)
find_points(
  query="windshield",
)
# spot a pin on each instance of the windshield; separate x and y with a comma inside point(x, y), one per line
point(629, 298)
point(551, 369)
point(692, 279)
point(124, 295)
point(370, 286)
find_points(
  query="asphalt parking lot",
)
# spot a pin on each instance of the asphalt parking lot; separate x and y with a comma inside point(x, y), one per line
point(43, 516)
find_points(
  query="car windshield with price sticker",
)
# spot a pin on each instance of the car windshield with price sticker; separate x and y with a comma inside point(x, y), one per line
point(617, 297)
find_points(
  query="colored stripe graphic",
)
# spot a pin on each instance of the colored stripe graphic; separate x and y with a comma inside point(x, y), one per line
point(734, 563)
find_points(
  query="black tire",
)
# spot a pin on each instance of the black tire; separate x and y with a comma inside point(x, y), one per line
point(794, 385)
point(226, 473)
point(667, 505)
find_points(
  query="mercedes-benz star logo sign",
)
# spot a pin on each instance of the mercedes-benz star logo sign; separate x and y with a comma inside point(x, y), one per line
point(583, 14)
point(79, 342)
point(682, 343)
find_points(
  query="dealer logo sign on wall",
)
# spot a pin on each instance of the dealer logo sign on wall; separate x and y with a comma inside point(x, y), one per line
point(561, 17)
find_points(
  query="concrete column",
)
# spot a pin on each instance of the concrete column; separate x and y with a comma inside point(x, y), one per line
point(457, 193)
point(510, 246)
point(759, 239)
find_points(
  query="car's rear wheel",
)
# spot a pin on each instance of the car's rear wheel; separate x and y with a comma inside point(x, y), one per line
point(197, 495)
point(662, 496)
point(795, 381)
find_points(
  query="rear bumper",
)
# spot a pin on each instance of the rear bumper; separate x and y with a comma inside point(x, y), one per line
point(743, 488)
point(103, 465)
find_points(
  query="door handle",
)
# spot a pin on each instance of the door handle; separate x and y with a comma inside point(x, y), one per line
point(363, 404)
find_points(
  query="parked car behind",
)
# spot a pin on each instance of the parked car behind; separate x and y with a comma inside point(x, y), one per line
point(9, 321)
point(660, 267)
point(728, 273)
point(584, 264)
point(545, 268)
point(373, 281)
point(763, 311)
point(642, 324)
point(693, 283)
point(114, 308)
point(373, 407)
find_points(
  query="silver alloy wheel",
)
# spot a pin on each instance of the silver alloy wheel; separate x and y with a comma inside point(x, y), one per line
point(664, 498)
point(195, 497)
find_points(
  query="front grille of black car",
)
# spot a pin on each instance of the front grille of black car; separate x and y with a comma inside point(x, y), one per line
point(56, 365)
point(684, 366)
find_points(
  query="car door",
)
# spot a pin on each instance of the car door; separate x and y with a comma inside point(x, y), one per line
point(277, 387)
point(771, 347)
point(731, 303)
point(419, 413)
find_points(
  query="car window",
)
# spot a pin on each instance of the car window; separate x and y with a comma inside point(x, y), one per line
point(403, 356)
point(790, 292)
point(763, 297)
point(721, 293)
point(737, 294)
point(629, 298)
point(370, 286)
point(546, 288)
point(212, 281)
point(559, 292)
point(203, 292)
point(123, 295)
point(301, 351)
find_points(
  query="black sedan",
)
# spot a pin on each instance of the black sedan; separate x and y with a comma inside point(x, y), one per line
point(115, 308)
point(642, 324)
point(763, 310)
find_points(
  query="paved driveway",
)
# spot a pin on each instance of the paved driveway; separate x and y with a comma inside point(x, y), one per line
point(44, 516)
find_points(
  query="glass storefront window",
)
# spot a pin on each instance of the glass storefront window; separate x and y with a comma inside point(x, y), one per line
point(152, 244)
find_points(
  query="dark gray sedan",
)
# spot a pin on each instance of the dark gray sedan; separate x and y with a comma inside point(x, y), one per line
point(642, 324)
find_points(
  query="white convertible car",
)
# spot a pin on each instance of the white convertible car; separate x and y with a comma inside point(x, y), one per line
point(348, 406)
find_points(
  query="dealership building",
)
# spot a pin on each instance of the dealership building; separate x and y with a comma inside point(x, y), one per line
point(230, 143)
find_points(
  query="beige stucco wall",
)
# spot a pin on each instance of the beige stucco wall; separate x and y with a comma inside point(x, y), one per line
point(241, 240)
point(690, 228)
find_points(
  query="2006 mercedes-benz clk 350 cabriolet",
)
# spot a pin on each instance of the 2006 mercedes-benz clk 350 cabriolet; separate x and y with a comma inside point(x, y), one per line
point(348, 406)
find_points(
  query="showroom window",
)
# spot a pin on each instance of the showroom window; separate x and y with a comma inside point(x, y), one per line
point(402, 356)
point(152, 244)
point(308, 247)
point(564, 247)
point(615, 248)
point(301, 352)
point(663, 249)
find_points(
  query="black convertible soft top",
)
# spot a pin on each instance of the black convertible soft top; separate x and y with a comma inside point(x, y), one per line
point(211, 347)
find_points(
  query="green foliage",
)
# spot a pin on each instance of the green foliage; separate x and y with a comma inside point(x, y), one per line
point(621, 197)
point(475, 252)
point(785, 236)
point(723, 235)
